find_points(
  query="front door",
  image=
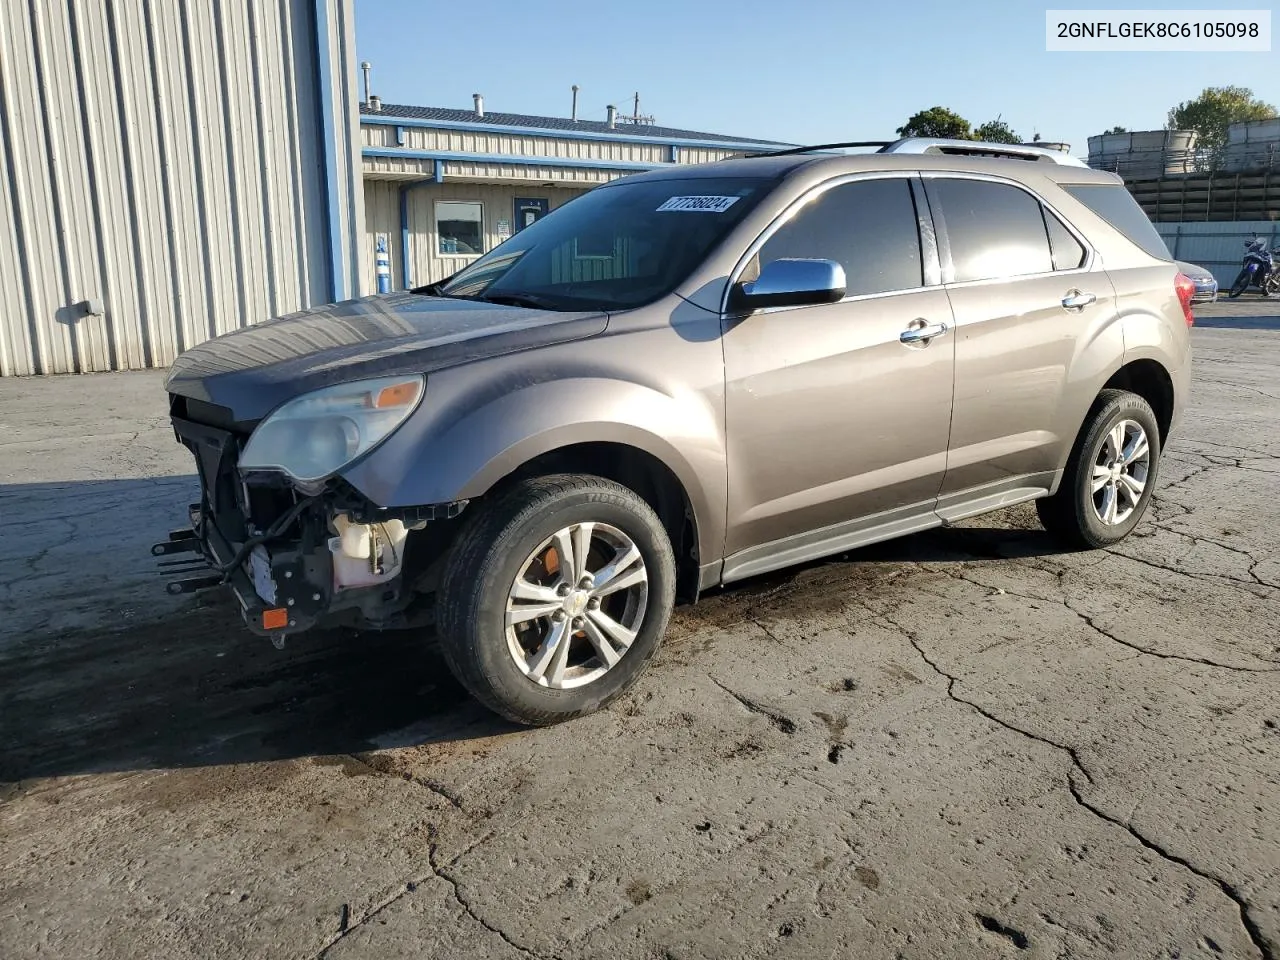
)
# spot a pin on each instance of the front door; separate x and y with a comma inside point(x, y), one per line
point(837, 429)
point(1030, 309)
point(528, 210)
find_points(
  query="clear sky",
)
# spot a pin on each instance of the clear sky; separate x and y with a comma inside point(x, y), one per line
point(801, 71)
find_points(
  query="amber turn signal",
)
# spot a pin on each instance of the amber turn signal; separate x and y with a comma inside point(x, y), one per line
point(275, 619)
point(397, 395)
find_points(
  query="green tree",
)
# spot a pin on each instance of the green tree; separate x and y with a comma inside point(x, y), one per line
point(937, 122)
point(1107, 133)
point(996, 131)
point(1214, 110)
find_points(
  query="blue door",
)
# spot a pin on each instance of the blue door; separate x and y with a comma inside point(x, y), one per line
point(528, 210)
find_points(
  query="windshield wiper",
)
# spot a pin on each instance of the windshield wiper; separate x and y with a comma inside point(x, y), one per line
point(521, 300)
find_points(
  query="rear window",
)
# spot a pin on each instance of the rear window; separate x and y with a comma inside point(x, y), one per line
point(1114, 204)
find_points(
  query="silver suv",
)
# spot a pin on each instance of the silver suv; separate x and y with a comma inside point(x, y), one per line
point(679, 380)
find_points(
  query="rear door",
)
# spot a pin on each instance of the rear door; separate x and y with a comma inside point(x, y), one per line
point(836, 426)
point(1028, 298)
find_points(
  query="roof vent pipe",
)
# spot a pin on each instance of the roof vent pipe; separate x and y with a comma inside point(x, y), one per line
point(365, 65)
point(375, 104)
point(613, 116)
point(479, 104)
point(574, 114)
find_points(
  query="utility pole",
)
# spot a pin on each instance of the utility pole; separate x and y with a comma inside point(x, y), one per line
point(635, 110)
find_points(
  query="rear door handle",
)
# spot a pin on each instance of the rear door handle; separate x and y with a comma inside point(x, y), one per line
point(1075, 300)
point(923, 332)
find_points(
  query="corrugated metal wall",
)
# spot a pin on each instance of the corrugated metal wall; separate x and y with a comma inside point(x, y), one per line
point(167, 159)
point(382, 215)
point(1217, 246)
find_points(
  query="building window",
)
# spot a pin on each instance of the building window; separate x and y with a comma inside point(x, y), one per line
point(459, 228)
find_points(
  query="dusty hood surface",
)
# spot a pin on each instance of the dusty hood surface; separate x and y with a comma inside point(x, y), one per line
point(251, 371)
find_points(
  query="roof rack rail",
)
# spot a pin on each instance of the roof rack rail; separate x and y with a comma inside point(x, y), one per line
point(822, 146)
point(980, 148)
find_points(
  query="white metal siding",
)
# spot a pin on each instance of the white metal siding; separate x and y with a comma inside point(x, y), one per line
point(1217, 245)
point(166, 159)
point(382, 214)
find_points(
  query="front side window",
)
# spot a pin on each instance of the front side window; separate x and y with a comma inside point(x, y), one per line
point(459, 228)
point(867, 226)
point(619, 246)
point(994, 230)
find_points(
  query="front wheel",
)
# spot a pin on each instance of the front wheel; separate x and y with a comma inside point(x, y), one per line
point(1110, 474)
point(1240, 286)
point(555, 598)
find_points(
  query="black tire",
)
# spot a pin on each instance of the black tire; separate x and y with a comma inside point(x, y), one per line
point(1069, 515)
point(487, 557)
point(1240, 286)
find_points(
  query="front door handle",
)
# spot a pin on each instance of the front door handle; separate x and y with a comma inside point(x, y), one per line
point(923, 332)
point(1075, 300)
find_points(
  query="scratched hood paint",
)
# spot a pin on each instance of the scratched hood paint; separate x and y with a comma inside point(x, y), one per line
point(254, 370)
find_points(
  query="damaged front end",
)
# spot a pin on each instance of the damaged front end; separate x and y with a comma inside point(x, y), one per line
point(298, 545)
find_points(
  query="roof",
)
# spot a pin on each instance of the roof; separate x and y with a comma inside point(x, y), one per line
point(622, 131)
point(826, 164)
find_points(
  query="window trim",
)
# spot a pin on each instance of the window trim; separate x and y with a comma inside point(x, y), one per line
point(944, 239)
point(435, 223)
point(1045, 214)
point(925, 231)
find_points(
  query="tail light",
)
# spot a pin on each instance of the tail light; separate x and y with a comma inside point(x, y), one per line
point(1185, 287)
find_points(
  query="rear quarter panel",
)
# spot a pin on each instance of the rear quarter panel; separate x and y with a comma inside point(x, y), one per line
point(1146, 304)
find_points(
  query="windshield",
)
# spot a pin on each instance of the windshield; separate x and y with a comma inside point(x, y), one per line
point(616, 247)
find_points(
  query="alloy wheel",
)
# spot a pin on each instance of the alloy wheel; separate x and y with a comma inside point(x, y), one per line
point(1120, 472)
point(576, 605)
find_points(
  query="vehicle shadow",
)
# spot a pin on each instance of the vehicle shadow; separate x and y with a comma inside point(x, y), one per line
point(1240, 323)
point(192, 687)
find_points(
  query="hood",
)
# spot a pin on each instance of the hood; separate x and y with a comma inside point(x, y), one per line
point(252, 371)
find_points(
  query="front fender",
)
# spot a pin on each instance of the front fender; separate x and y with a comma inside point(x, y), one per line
point(459, 450)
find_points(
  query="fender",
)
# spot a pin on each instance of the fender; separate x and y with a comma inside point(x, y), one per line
point(457, 449)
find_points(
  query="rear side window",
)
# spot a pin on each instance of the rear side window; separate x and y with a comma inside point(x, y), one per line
point(1066, 249)
point(867, 226)
point(994, 230)
point(1114, 204)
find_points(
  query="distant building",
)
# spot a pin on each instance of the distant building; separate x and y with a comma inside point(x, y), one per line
point(444, 186)
point(1175, 180)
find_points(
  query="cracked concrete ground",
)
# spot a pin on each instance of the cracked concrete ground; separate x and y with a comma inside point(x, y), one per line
point(961, 744)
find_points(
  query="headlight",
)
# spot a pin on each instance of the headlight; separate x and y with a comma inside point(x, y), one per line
point(318, 433)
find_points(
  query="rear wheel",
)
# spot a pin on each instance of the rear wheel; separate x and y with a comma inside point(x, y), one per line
point(556, 597)
point(1110, 475)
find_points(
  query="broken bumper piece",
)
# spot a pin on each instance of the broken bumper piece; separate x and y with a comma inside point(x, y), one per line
point(278, 590)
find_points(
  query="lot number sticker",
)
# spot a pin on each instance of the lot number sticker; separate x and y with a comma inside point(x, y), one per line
point(699, 204)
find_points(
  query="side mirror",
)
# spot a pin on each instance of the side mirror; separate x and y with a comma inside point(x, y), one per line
point(792, 283)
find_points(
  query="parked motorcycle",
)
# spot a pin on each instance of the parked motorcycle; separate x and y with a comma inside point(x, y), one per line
point(1258, 270)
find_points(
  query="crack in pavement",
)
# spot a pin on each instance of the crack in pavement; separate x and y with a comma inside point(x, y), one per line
point(1088, 620)
point(437, 873)
point(1254, 933)
point(448, 878)
point(779, 720)
point(914, 640)
point(1238, 386)
point(348, 929)
point(1259, 940)
point(433, 786)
